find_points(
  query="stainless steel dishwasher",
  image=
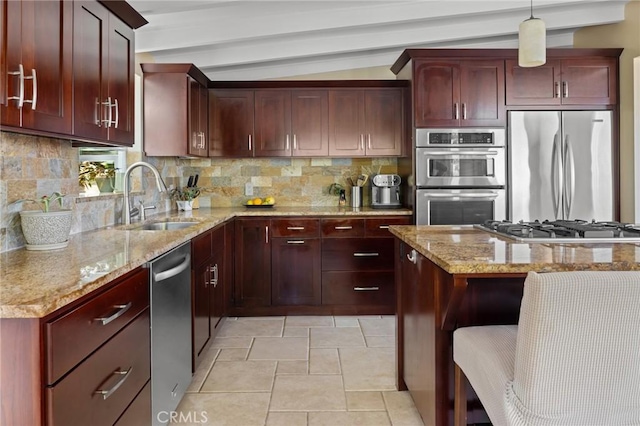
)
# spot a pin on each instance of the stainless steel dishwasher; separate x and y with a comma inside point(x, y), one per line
point(170, 331)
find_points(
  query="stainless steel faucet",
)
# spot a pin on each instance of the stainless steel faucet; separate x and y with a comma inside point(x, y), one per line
point(126, 210)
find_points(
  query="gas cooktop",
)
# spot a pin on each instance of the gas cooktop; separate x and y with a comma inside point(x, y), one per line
point(564, 231)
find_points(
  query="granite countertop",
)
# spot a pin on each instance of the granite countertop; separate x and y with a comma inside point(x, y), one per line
point(465, 250)
point(34, 284)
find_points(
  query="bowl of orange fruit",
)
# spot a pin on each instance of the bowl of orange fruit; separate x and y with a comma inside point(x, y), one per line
point(260, 203)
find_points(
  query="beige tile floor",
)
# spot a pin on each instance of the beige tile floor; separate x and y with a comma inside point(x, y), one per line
point(300, 370)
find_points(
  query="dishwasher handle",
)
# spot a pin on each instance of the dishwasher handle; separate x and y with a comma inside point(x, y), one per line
point(161, 276)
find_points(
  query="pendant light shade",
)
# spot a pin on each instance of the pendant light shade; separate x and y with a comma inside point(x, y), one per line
point(532, 42)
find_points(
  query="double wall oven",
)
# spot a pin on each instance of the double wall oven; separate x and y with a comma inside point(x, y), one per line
point(460, 176)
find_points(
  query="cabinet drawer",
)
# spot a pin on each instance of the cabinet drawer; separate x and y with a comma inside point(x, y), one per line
point(342, 228)
point(201, 247)
point(295, 228)
point(75, 335)
point(357, 254)
point(75, 401)
point(379, 226)
point(358, 288)
point(139, 412)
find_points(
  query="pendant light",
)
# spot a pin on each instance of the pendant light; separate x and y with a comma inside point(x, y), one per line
point(532, 42)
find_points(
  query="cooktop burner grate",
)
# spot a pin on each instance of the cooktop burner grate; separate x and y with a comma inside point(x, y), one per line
point(564, 231)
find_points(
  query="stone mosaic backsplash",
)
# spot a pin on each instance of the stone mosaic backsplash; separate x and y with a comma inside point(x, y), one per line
point(32, 166)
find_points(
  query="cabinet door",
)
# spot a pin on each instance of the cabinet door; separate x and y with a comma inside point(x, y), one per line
point(533, 86)
point(346, 122)
point(196, 143)
point(482, 93)
point(38, 36)
point(383, 122)
point(272, 123)
point(310, 123)
point(589, 81)
point(231, 123)
point(436, 94)
point(201, 308)
point(295, 277)
point(120, 86)
point(90, 23)
point(252, 263)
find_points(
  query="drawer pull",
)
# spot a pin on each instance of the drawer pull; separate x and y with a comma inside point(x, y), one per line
point(366, 288)
point(342, 228)
point(121, 310)
point(384, 227)
point(365, 254)
point(413, 257)
point(125, 375)
point(295, 241)
point(295, 228)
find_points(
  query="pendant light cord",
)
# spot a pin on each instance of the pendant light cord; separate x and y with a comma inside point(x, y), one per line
point(531, 10)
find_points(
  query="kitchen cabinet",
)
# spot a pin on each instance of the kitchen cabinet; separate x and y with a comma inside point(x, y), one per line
point(295, 256)
point(459, 93)
point(36, 70)
point(568, 81)
point(291, 123)
point(367, 122)
point(97, 344)
point(231, 123)
point(252, 278)
point(103, 75)
point(176, 110)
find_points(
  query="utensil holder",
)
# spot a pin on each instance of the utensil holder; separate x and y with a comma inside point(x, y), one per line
point(356, 196)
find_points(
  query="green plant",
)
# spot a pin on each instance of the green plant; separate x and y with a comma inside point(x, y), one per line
point(45, 201)
point(335, 188)
point(186, 193)
point(90, 170)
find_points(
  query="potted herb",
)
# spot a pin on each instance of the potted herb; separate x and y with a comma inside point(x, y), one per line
point(184, 196)
point(102, 174)
point(46, 229)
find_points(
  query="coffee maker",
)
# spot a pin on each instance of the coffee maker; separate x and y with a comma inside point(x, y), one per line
point(385, 191)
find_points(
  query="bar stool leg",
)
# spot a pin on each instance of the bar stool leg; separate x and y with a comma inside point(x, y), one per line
point(460, 398)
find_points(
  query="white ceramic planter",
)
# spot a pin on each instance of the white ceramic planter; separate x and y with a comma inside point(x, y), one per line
point(185, 205)
point(46, 231)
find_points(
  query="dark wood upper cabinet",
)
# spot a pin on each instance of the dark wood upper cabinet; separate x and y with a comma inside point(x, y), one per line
point(365, 122)
point(176, 110)
point(103, 58)
point(231, 123)
point(272, 123)
point(310, 123)
point(37, 44)
point(570, 81)
point(459, 93)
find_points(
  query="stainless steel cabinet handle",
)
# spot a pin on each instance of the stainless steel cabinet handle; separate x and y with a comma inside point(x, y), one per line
point(362, 142)
point(249, 142)
point(295, 228)
point(286, 146)
point(97, 114)
point(455, 111)
point(125, 375)
point(383, 226)
point(161, 276)
point(464, 111)
point(413, 257)
point(565, 89)
point(20, 97)
point(369, 141)
point(121, 310)
point(557, 89)
point(366, 288)
point(214, 278)
point(117, 112)
point(266, 234)
point(107, 105)
point(34, 79)
point(342, 228)
point(295, 241)
point(365, 254)
point(295, 142)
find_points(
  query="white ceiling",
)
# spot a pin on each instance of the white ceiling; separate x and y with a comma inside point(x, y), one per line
point(264, 39)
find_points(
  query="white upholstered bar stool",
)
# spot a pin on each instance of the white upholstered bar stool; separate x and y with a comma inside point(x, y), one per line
point(573, 358)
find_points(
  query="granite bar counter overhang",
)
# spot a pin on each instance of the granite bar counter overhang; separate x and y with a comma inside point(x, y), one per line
point(465, 250)
point(34, 284)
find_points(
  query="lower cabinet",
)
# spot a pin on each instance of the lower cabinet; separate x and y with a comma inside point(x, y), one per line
point(87, 363)
point(314, 265)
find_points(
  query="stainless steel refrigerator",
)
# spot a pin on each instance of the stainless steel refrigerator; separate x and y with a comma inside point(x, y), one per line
point(560, 165)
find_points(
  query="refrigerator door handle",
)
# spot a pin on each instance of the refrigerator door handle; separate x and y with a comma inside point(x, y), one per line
point(556, 177)
point(570, 176)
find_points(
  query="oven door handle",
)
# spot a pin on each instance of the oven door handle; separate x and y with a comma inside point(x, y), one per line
point(481, 195)
point(469, 153)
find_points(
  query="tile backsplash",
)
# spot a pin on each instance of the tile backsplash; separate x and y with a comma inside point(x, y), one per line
point(33, 166)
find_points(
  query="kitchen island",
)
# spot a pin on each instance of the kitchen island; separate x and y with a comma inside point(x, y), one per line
point(456, 276)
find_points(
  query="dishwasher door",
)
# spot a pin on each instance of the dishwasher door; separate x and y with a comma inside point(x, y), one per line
point(170, 276)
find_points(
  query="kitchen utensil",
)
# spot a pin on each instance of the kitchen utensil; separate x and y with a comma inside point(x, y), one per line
point(362, 180)
point(195, 180)
point(350, 181)
point(190, 182)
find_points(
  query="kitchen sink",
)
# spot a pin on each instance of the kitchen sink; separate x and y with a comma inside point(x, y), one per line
point(164, 226)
